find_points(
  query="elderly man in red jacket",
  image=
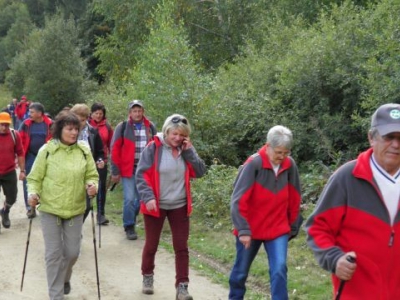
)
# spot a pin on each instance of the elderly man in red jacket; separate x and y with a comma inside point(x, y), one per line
point(129, 139)
point(358, 215)
point(35, 132)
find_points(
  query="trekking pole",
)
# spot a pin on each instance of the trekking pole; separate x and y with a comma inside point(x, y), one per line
point(95, 254)
point(99, 198)
point(26, 252)
point(350, 259)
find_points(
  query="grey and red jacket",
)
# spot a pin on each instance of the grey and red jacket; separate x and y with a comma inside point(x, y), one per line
point(148, 176)
point(265, 205)
point(351, 216)
point(25, 134)
point(123, 147)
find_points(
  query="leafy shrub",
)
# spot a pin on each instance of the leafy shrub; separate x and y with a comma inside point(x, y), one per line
point(212, 195)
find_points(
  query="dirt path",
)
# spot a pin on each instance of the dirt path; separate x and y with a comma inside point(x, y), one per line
point(119, 266)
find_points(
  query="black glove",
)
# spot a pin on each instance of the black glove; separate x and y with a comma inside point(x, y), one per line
point(295, 227)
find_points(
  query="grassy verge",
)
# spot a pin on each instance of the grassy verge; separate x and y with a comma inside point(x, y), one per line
point(213, 253)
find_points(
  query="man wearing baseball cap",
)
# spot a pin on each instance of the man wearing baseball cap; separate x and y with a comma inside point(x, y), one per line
point(129, 139)
point(353, 228)
point(10, 149)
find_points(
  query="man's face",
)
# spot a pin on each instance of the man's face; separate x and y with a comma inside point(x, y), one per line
point(35, 115)
point(387, 151)
point(4, 128)
point(136, 113)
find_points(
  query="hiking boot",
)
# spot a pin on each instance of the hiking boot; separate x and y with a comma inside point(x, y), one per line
point(67, 288)
point(5, 218)
point(182, 292)
point(102, 220)
point(131, 233)
point(31, 213)
point(147, 287)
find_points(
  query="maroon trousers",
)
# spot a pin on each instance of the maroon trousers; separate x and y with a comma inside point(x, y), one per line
point(179, 224)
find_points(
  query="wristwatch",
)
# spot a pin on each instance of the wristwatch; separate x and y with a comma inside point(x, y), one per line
point(22, 171)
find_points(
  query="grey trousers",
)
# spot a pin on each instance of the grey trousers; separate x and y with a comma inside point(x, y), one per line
point(62, 239)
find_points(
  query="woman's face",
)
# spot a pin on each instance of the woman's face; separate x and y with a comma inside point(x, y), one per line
point(97, 115)
point(175, 137)
point(278, 154)
point(69, 134)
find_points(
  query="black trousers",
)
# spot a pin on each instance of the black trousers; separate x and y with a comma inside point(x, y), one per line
point(101, 195)
point(9, 183)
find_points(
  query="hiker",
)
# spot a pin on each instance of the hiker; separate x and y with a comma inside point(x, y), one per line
point(163, 179)
point(13, 106)
point(265, 205)
point(63, 173)
point(91, 137)
point(10, 149)
point(21, 111)
point(35, 132)
point(358, 214)
point(129, 139)
point(98, 120)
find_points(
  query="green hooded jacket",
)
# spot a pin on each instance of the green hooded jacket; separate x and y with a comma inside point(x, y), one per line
point(60, 175)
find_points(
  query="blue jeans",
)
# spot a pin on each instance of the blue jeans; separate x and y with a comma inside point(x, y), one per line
point(29, 160)
point(131, 201)
point(277, 253)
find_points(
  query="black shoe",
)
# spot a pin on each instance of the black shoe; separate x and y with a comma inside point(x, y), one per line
point(5, 218)
point(67, 288)
point(131, 233)
point(31, 213)
point(102, 220)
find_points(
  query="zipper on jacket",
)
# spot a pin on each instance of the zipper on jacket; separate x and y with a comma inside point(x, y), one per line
point(391, 240)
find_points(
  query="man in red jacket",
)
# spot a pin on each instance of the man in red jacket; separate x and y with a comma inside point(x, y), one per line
point(21, 111)
point(35, 132)
point(358, 215)
point(129, 139)
point(10, 148)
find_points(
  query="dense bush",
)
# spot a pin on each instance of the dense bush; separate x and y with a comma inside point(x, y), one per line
point(212, 195)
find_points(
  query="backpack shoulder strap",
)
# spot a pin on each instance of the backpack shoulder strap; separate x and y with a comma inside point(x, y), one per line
point(13, 136)
point(123, 127)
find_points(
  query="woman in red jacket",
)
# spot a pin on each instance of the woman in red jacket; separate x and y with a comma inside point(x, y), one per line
point(99, 121)
point(163, 181)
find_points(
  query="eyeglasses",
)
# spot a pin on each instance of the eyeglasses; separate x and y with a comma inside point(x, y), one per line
point(176, 120)
point(281, 153)
point(389, 138)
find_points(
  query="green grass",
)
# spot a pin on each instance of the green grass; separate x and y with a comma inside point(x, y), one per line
point(216, 247)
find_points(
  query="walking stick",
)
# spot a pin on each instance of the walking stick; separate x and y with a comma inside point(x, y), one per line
point(26, 252)
point(99, 210)
point(342, 282)
point(95, 254)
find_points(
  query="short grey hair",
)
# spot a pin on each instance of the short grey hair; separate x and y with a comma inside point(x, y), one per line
point(374, 133)
point(174, 122)
point(280, 136)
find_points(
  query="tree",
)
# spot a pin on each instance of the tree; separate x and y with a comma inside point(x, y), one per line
point(50, 69)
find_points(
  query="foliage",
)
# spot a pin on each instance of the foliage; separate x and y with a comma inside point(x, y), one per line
point(50, 69)
point(212, 194)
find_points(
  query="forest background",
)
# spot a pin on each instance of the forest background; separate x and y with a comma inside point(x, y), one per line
point(234, 68)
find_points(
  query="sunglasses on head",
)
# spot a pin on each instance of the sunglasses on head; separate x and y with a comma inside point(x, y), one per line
point(176, 120)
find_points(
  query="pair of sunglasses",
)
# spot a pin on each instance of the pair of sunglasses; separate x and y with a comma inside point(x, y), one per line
point(176, 120)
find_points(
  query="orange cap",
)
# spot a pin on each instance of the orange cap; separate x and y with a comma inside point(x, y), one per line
point(5, 118)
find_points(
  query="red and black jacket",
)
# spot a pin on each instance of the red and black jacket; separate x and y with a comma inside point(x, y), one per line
point(265, 205)
point(123, 147)
point(352, 216)
point(24, 132)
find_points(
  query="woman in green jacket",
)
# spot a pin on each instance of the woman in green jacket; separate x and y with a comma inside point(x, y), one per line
point(63, 173)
